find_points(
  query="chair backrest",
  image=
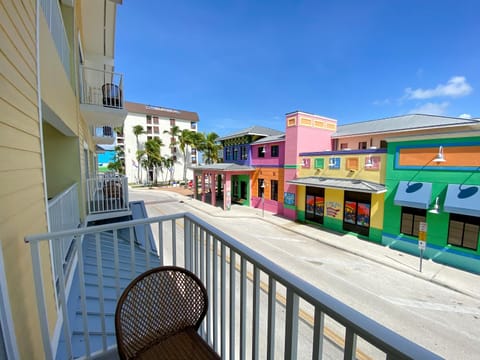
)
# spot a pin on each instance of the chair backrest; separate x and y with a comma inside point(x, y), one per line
point(156, 304)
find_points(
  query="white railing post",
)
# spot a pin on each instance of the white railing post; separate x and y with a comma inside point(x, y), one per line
point(40, 295)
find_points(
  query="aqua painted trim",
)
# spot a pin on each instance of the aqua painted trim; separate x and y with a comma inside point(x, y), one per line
point(446, 248)
point(290, 166)
point(291, 207)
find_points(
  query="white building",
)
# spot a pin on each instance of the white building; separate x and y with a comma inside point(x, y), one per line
point(155, 120)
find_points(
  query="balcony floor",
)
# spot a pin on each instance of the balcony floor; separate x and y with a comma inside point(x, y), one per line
point(111, 293)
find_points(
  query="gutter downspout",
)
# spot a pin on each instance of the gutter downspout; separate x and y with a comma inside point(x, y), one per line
point(47, 348)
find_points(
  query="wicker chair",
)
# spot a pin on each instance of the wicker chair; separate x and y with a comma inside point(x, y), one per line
point(158, 315)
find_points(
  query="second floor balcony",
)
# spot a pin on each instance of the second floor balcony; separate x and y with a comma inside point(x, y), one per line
point(103, 135)
point(107, 196)
point(256, 310)
point(102, 100)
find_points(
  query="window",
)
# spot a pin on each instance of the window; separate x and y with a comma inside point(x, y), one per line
point(319, 163)
point(343, 146)
point(315, 204)
point(274, 151)
point(334, 163)
point(274, 190)
point(155, 130)
point(155, 120)
point(193, 125)
point(383, 144)
point(463, 231)
point(411, 219)
point(235, 153)
point(356, 213)
point(149, 119)
point(362, 145)
point(172, 122)
point(261, 187)
point(243, 153)
point(228, 153)
point(261, 152)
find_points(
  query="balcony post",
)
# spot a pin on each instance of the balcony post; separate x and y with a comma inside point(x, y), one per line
point(40, 295)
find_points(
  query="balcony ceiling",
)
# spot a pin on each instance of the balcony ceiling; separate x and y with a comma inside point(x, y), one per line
point(99, 116)
point(98, 30)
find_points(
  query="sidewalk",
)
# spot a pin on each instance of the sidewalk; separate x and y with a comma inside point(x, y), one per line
point(458, 280)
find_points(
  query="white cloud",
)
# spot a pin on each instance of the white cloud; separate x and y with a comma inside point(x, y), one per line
point(457, 86)
point(382, 102)
point(431, 108)
point(465, 116)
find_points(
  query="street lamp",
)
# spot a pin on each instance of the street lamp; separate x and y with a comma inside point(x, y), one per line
point(263, 197)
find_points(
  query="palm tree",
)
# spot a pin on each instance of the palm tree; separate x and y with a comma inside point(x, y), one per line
point(153, 153)
point(118, 163)
point(137, 131)
point(186, 139)
point(211, 148)
point(174, 132)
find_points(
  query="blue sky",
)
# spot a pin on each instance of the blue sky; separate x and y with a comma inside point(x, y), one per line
point(242, 63)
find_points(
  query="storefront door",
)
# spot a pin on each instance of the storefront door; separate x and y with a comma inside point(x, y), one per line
point(314, 204)
point(356, 217)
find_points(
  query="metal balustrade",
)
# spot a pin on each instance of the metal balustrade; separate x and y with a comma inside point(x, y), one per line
point(101, 87)
point(257, 309)
point(64, 214)
point(107, 193)
point(53, 16)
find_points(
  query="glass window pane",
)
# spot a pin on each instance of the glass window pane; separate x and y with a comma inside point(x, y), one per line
point(310, 204)
point(416, 224)
point(407, 224)
point(319, 205)
point(455, 233)
point(363, 214)
point(350, 212)
point(470, 237)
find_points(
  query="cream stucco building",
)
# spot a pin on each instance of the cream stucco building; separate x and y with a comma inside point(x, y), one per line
point(157, 122)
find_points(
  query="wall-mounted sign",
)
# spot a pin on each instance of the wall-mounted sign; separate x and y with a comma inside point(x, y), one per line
point(289, 198)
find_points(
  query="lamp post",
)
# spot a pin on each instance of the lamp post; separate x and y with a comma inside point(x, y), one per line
point(263, 197)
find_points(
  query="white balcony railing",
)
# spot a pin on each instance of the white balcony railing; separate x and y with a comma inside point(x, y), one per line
point(101, 88)
point(256, 308)
point(103, 135)
point(64, 214)
point(107, 193)
point(53, 15)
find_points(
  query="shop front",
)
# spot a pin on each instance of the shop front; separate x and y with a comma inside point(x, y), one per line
point(352, 206)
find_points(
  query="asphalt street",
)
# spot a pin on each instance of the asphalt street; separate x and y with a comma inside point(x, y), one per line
point(438, 308)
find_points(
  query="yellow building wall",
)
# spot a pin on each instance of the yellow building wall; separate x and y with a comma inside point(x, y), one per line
point(56, 89)
point(377, 211)
point(334, 203)
point(360, 172)
point(301, 194)
point(21, 181)
point(61, 160)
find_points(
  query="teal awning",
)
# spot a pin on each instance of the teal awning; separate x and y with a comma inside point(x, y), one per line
point(413, 194)
point(463, 199)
